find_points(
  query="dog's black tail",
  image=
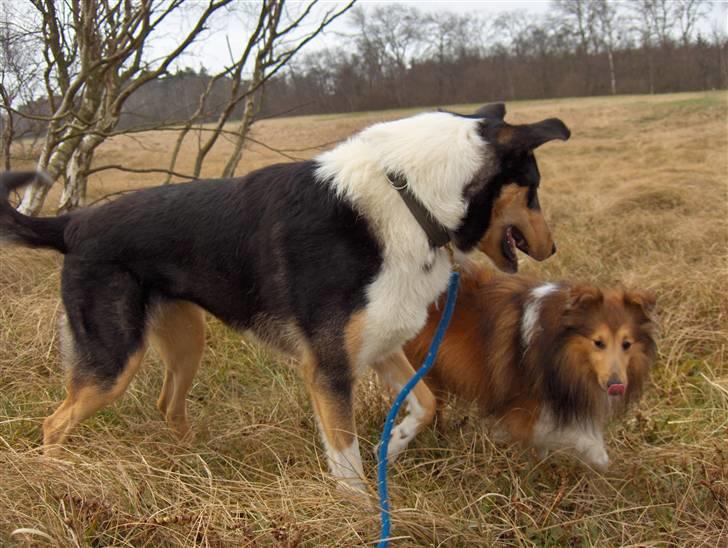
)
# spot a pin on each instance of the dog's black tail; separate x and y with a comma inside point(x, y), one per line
point(23, 230)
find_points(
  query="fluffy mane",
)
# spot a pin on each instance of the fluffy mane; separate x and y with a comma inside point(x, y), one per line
point(437, 152)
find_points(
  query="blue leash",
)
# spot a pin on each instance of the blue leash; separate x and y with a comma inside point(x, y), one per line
point(452, 292)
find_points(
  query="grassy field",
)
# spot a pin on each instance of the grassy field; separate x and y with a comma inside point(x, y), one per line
point(638, 195)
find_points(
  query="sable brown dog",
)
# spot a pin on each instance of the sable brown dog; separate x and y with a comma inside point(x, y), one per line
point(547, 363)
point(333, 261)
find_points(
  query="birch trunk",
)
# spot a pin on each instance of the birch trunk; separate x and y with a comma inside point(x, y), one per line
point(612, 72)
point(57, 153)
point(8, 133)
point(54, 166)
point(76, 183)
point(249, 113)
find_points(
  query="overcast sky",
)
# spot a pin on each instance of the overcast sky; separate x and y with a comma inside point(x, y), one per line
point(212, 51)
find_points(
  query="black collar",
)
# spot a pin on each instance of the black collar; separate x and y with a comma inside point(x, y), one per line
point(437, 234)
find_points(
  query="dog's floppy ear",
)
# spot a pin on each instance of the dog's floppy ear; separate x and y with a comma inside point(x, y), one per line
point(524, 136)
point(496, 111)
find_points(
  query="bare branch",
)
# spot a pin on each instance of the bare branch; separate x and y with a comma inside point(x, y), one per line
point(120, 167)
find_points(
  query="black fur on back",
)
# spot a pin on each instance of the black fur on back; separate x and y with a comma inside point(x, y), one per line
point(274, 248)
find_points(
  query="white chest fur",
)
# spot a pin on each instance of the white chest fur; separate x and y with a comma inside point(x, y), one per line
point(397, 305)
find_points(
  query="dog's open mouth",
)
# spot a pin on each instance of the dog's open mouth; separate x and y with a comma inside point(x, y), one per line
point(513, 239)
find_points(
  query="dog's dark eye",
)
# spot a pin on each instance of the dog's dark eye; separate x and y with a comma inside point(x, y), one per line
point(600, 344)
point(626, 345)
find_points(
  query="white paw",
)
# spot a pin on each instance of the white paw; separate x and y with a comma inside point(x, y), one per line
point(402, 435)
point(598, 458)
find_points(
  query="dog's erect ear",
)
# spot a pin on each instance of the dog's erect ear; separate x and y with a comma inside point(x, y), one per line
point(525, 136)
point(641, 302)
point(582, 297)
point(496, 111)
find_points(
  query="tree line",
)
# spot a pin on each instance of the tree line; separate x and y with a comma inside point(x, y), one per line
point(400, 56)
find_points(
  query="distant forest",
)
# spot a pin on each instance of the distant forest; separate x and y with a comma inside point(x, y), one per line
point(396, 56)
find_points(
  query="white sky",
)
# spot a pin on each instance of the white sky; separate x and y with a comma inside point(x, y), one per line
point(212, 49)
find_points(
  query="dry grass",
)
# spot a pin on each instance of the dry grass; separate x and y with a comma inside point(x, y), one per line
point(638, 195)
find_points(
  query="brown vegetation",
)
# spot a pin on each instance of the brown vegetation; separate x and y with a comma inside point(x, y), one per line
point(637, 195)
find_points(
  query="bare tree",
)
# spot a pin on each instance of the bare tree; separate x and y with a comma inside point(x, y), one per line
point(95, 60)
point(451, 37)
point(274, 40)
point(719, 35)
point(510, 30)
point(18, 75)
point(581, 17)
point(94, 56)
point(654, 20)
point(688, 14)
point(652, 23)
point(389, 37)
point(607, 24)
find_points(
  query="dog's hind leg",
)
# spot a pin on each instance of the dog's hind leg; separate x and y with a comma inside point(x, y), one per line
point(103, 341)
point(84, 399)
point(331, 391)
point(178, 334)
point(395, 371)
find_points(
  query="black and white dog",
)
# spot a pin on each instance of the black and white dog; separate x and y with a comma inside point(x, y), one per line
point(333, 260)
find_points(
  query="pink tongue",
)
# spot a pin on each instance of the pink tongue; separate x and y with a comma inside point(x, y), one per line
point(616, 390)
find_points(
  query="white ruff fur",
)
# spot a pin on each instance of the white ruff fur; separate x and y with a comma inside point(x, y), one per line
point(439, 154)
point(585, 438)
point(529, 324)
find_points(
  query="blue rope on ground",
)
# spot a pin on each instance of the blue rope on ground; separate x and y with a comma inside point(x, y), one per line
point(452, 292)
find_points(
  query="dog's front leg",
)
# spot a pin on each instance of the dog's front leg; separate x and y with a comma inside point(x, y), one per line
point(331, 391)
point(586, 439)
point(395, 371)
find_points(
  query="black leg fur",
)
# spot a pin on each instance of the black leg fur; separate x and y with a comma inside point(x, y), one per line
point(106, 310)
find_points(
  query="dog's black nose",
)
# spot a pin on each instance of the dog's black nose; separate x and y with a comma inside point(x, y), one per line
point(553, 250)
point(614, 379)
point(615, 387)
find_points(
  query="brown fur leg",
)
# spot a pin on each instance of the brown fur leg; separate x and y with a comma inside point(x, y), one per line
point(519, 421)
point(178, 334)
point(84, 400)
point(395, 371)
point(165, 394)
point(335, 416)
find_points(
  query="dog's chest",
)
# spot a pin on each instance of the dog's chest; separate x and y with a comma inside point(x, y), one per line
point(397, 302)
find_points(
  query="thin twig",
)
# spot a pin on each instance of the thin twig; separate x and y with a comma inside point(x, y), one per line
point(138, 170)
